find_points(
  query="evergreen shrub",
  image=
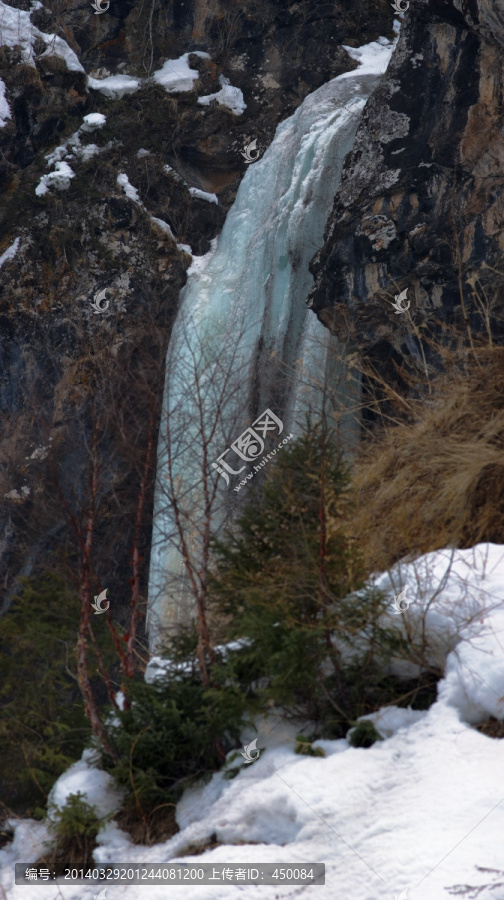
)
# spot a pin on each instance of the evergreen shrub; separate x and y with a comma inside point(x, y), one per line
point(364, 734)
point(43, 727)
point(175, 731)
point(304, 746)
point(74, 828)
point(289, 580)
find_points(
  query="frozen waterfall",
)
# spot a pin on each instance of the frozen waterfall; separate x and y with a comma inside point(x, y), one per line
point(244, 340)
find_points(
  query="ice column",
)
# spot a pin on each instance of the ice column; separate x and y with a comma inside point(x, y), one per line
point(244, 339)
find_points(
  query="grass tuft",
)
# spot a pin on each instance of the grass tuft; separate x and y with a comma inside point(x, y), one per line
point(436, 480)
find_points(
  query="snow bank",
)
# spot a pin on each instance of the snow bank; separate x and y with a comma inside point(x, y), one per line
point(176, 75)
point(413, 812)
point(418, 815)
point(30, 840)
point(22, 494)
point(97, 787)
point(457, 597)
point(391, 719)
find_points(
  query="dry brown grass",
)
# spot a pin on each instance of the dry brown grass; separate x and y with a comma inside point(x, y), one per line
point(158, 825)
point(436, 480)
point(493, 728)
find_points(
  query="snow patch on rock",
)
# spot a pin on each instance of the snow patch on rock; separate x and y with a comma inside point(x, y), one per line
point(203, 195)
point(115, 86)
point(18, 30)
point(9, 253)
point(59, 179)
point(93, 121)
point(228, 95)
point(5, 112)
point(176, 75)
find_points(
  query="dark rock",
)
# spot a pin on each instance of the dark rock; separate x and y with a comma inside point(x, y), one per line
point(121, 212)
point(66, 372)
point(420, 203)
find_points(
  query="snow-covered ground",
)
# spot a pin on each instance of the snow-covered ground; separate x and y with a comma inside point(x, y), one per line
point(418, 816)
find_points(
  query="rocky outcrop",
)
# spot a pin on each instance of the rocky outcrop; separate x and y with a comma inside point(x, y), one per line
point(421, 202)
point(80, 390)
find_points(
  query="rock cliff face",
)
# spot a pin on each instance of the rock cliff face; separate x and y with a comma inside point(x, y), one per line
point(112, 210)
point(420, 207)
point(421, 203)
